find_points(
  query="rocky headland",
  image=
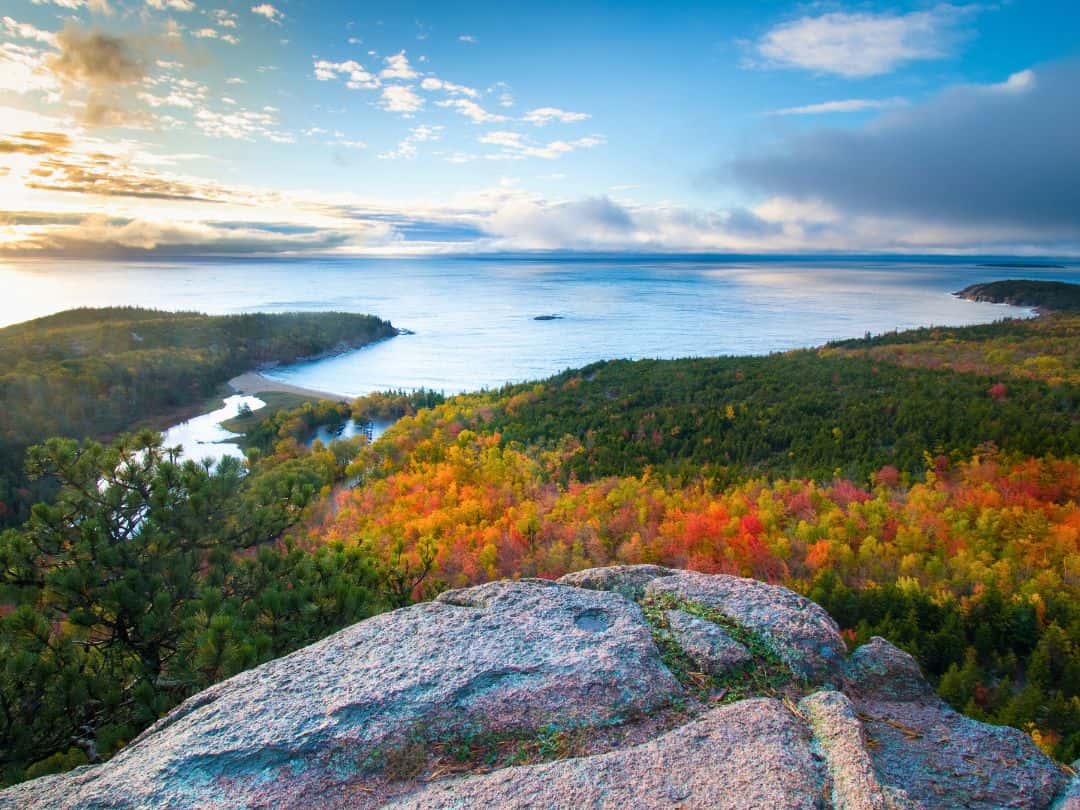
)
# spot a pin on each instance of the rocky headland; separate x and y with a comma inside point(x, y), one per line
point(1045, 296)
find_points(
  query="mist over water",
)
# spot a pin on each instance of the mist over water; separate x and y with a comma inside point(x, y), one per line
point(474, 320)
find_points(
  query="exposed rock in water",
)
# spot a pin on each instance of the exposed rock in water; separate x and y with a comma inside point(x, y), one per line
point(541, 694)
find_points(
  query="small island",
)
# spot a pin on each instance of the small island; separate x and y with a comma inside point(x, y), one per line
point(1047, 296)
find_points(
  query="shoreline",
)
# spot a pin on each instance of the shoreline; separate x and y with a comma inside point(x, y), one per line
point(254, 383)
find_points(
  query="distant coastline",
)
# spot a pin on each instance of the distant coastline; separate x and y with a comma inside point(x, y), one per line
point(1043, 296)
point(1022, 266)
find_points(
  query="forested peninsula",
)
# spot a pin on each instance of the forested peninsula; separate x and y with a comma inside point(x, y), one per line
point(1057, 296)
point(96, 372)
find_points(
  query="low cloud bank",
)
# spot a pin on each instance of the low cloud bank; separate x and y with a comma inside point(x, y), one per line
point(1001, 155)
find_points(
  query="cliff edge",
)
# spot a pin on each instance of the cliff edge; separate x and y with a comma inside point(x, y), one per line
point(631, 686)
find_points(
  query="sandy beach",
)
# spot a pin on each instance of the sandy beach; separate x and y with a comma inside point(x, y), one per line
point(254, 383)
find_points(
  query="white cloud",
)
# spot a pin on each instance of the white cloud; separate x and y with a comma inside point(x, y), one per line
point(510, 140)
point(398, 67)
point(1016, 83)
point(467, 38)
point(213, 33)
point(848, 105)
point(224, 19)
point(471, 110)
point(514, 146)
point(175, 5)
point(23, 70)
point(235, 80)
point(356, 77)
point(95, 6)
point(506, 98)
point(27, 31)
point(242, 125)
point(545, 115)
point(269, 12)
point(434, 83)
point(400, 98)
point(407, 147)
point(857, 45)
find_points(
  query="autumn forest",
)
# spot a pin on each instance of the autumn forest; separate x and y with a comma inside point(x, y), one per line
point(923, 486)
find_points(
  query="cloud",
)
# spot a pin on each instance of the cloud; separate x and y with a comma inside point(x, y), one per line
point(100, 177)
point(35, 143)
point(848, 105)
point(471, 110)
point(519, 222)
point(224, 18)
point(545, 115)
point(515, 146)
point(356, 78)
point(94, 6)
point(975, 157)
point(90, 167)
point(104, 67)
point(269, 12)
point(506, 98)
point(583, 224)
point(174, 5)
point(99, 236)
point(214, 33)
point(241, 125)
point(398, 67)
point(407, 147)
point(24, 69)
point(400, 98)
point(104, 110)
point(433, 83)
point(96, 58)
point(860, 44)
point(27, 31)
point(467, 38)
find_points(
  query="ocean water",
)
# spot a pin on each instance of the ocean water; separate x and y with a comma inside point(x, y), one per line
point(473, 321)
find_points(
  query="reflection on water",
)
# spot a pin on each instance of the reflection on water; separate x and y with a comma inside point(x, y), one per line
point(204, 438)
point(474, 321)
point(349, 428)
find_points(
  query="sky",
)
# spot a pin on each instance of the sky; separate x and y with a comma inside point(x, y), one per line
point(187, 128)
